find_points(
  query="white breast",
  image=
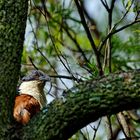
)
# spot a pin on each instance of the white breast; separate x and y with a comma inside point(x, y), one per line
point(35, 89)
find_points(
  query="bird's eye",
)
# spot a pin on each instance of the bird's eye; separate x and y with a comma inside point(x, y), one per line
point(40, 73)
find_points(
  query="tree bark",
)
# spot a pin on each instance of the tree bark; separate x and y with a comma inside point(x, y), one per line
point(13, 15)
point(85, 104)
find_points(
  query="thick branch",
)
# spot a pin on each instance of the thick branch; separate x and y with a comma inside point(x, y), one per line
point(88, 101)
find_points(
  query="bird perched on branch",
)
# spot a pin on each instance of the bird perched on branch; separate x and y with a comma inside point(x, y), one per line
point(31, 98)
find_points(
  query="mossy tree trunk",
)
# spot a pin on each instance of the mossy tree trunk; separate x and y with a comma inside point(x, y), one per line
point(13, 15)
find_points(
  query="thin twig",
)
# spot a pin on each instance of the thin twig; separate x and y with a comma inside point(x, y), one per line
point(113, 31)
point(105, 4)
point(44, 6)
point(107, 58)
point(74, 40)
point(91, 21)
point(32, 63)
point(96, 129)
point(66, 77)
point(80, 10)
point(76, 43)
point(124, 15)
point(52, 40)
point(84, 137)
point(109, 128)
point(38, 49)
point(79, 49)
point(123, 124)
point(97, 54)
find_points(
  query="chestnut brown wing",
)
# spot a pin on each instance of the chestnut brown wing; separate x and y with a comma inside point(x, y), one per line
point(25, 108)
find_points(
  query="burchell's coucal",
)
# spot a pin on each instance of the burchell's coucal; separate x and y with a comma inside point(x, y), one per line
point(31, 96)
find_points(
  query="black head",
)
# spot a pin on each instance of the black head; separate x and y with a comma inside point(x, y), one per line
point(36, 75)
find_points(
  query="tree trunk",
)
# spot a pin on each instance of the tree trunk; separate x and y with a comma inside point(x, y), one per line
point(13, 15)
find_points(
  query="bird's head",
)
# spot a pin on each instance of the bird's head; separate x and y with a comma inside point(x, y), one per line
point(34, 80)
point(36, 75)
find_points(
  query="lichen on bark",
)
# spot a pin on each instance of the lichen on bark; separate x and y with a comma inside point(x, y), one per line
point(13, 15)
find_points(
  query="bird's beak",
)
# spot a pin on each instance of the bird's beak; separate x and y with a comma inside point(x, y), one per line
point(44, 78)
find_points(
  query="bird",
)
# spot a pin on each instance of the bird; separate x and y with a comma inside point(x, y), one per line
point(31, 98)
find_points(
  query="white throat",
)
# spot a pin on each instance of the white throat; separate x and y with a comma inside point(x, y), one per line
point(35, 89)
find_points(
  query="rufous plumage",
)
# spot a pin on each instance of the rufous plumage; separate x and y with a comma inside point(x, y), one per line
point(31, 98)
